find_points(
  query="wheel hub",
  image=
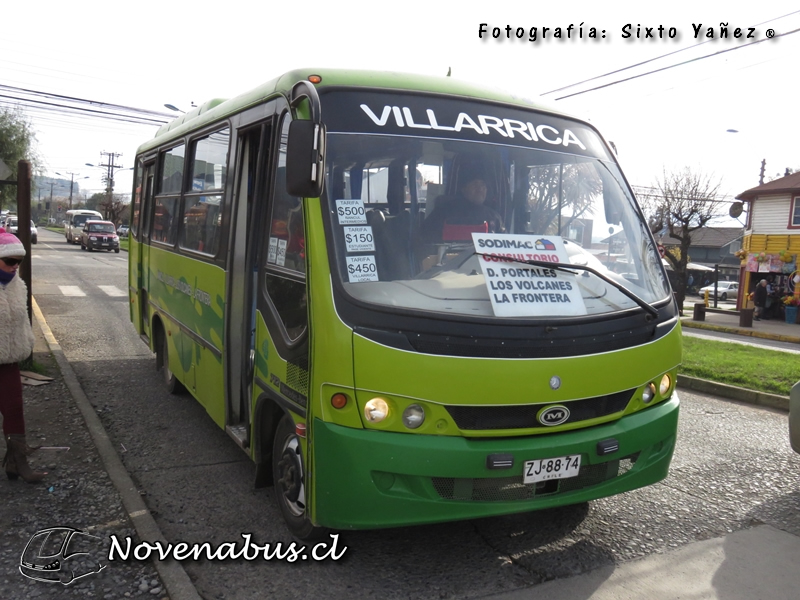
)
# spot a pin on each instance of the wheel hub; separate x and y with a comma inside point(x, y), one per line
point(291, 475)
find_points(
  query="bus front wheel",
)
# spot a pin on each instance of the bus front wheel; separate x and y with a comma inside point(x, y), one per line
point(288, 474)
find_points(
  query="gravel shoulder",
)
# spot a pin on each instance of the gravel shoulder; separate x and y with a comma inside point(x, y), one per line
point(77, 493)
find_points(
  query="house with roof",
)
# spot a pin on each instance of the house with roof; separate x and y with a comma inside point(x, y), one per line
point(711, 248)
point(771, 240)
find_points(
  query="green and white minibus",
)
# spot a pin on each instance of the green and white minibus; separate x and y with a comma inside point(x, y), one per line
point(408, 299)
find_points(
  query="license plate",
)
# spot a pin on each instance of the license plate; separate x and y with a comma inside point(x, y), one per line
point(561, 467)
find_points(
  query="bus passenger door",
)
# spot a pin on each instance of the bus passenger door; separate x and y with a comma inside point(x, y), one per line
point(252, 161)
point(282, 335)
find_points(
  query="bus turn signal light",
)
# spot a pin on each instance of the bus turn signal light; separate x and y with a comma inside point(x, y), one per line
point(338, 400)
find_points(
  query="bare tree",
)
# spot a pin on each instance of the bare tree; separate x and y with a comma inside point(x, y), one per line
point(113, 207)
point(555, 190)
point(684, 201)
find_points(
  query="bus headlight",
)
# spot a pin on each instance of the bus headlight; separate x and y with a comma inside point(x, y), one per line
point(376, 410)
point(666, 384)
point(648, 393)
point(413, 416)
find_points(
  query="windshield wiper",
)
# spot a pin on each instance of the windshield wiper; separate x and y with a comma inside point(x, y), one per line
point(568, 268)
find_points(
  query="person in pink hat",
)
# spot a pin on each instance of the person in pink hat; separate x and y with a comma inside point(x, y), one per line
point(16, 344)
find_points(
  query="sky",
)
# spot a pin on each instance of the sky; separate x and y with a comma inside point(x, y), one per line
point(147, 54)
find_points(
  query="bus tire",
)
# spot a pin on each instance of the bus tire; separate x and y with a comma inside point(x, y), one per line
point(288, 473)
point(162, 364)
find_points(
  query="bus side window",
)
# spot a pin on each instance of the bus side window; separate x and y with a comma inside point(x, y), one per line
point(202, 214)
point(166, 206)
point(136, 206)
point(164, 221)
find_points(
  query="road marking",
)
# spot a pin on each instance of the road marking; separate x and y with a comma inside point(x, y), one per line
point(71, 290)
point(112, 290)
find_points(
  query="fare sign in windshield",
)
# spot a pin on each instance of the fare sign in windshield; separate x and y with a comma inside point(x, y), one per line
point(520, 290)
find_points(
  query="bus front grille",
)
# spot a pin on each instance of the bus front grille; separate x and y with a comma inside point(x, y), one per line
point(523, 416)
point(481, 347)
point(510, 489)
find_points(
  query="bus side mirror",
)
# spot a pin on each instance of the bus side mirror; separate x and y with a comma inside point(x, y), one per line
point(305, 159)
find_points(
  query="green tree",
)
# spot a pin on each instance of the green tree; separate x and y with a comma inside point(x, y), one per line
point(17, 142)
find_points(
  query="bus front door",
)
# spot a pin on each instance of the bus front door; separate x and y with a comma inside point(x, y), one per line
point(252, 152)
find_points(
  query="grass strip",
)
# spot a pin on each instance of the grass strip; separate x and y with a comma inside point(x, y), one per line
point(754, 368)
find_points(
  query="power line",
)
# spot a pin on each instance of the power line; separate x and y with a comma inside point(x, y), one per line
point(651, 192)
point(65, 109)
point(639, 64)
point(686, 62)
point(77, 100)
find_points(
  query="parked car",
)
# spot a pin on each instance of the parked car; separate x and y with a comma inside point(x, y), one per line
point(99, 235)
point(12, 226)
point(122, 231)
point(725, 289)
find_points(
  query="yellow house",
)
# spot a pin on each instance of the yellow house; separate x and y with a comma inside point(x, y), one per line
point(771, 241)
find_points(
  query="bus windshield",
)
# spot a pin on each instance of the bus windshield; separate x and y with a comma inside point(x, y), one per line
point(466, 227)
point(80, 220)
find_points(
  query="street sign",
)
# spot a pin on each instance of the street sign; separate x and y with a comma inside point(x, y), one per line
point(4, 170)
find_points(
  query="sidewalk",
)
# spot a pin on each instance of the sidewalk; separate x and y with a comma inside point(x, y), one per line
point(77, 492)
point(772, 329)
point(752, 564)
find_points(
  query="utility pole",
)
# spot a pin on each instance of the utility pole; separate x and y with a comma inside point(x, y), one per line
point(50, 204)
point(110, 176)
point(71, 183)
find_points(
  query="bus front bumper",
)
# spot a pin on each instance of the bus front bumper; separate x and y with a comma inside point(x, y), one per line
point(369, 479)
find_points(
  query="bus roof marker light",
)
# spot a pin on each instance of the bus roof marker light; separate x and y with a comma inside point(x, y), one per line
point(315, 79)
point(338, 400)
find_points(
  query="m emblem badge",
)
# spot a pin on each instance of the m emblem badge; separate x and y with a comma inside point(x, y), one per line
point(553, 415)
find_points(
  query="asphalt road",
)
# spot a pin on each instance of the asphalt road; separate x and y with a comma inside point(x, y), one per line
point(733, 469)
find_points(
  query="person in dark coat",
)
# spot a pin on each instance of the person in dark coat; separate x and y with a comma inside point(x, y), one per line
point(467, 208)
point(760, 299)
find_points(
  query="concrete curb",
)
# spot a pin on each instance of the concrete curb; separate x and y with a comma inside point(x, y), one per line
point(178, 584)
point(733, 393)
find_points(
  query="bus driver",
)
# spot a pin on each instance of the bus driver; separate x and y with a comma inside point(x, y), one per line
point(466, 208)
